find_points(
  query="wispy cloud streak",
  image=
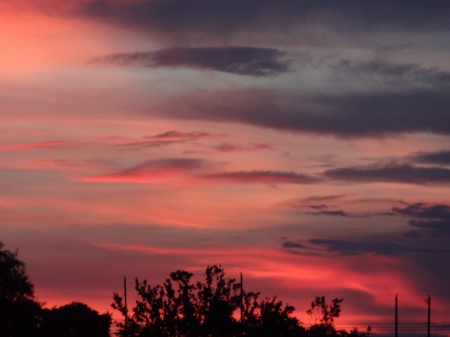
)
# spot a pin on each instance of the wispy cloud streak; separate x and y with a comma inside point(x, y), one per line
point(391, 172)
point(42, 145)
point(235, 60)
point(347, 115)
point(262, 177)
point(151, 171)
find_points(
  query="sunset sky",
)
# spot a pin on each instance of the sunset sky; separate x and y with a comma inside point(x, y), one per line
point(303, 143)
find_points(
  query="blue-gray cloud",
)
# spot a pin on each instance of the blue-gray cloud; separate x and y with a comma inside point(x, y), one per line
point(221, 19)
point(395, 73)
point(392, 172)
point(333, 213)
point(425, 211)
point(259, 176)
point(344, 247)
point(235, 60)
point(430, 220)
point(289, 244)
point(354, 114)
point(438, 157)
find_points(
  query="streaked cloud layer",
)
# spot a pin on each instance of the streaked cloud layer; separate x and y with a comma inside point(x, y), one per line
point(303, 143)
point(235, 60)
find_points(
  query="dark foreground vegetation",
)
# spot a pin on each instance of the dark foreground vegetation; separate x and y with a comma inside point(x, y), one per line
point(214, 308)
point(22, 316)
point(217, 307)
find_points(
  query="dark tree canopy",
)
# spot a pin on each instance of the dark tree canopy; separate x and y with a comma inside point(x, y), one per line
point(180, 308)
point(14, 283)
point(74, 320)
point(22, 316)
point(19, 312)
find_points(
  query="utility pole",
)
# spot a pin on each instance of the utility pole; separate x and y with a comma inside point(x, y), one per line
point(242, 299)
point(396, 315)
point(429, 316)
point(126, 306)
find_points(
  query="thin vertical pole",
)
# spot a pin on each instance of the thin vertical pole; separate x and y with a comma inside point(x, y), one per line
point(242, 299)
point(396, 315)
point(429, 316)
point(126, 306)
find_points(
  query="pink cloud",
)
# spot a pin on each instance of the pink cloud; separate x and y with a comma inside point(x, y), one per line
point(151, 171)
point(258, 176)
point(180, 135)
point(57, 163)
point(239, 148)
point(45, 145)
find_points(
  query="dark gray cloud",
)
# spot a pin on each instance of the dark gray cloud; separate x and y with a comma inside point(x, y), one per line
point(321, 206)
point(395, 73)
point(221, 19)
point(439, 157)
point(322, 198)
point(146, 144)
point(235, 60)
point(262, 177)
point(425, 211)
point(392, 172)
point(289, 244)
point(433, 228)
point(333, 213)
point(307, 202)
point(355, 114)
point(434, 219)
point(378, 200)
point(344, 214)
point(344, 247)
point(180, 135)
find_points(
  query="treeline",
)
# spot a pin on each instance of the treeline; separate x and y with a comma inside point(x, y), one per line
point(217, 307)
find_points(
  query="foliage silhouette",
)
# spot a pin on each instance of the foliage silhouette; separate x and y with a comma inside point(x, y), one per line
point(326, 313)
point(19, 312)
point(74, 320)
point(179, 308)
point(14, 283)
point(22, 316)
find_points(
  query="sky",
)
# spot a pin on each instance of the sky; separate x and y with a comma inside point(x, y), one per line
point(302, 143)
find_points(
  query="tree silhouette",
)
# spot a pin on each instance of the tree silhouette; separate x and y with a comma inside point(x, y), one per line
point(274, 320)
point(324, 316)
point(179, 308)
point(326, 313)
point(22, 316)
point(74, 320)
point(19, 312)
point(14, 283)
